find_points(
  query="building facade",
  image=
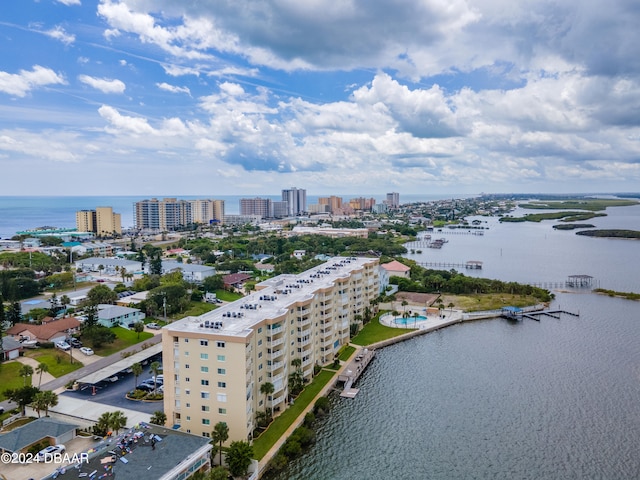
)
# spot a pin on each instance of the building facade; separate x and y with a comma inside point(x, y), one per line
point(261, 207)
point(296, 199)
point(393, 200)
point(215, 364)
point(102, 221)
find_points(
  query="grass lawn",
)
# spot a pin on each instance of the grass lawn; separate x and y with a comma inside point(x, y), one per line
point(124, 338)
point(9, 377)
point(277, 428)
point(488, 301)
point(228, 296)
point(374, 332)
point(346, 352)
point(59, 363)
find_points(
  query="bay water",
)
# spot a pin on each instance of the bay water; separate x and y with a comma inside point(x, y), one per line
point(497, 399)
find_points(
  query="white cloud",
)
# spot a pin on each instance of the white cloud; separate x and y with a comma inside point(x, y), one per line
point(173, 88)
point(48, 145)
point(60, 34)
point(69, 2)
point(24, 81)
point(105, 85)
point(125, 124)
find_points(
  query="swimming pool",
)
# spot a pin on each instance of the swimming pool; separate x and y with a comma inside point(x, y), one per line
point(408, 321)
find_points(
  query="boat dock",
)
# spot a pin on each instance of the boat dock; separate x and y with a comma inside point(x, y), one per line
point(515, 313)
point(353, 370)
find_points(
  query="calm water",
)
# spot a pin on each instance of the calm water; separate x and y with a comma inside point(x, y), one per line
point(555, 399)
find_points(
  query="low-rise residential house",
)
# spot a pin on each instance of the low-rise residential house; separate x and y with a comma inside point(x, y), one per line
point(51, 330)
point(45, 428)
point(190, 272)
point(392, 269)
point(235, 280)
point(115, 315)
point(299, 254)
point(110, 266)
point(100, 249)
point(10, 348)
point(134, 299)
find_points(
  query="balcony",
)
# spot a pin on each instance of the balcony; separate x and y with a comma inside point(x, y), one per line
point(276, 342)
point(275, 330)
point(304, 321)
point(276, 366)
point(302, 343)
point(275, 355)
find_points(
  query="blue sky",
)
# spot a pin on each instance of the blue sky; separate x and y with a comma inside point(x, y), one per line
point(234, 97)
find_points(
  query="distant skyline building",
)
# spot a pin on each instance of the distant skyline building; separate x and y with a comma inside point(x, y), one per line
point(334, 203)
point(172, 214)
point(102, 221)
point(262, 207)
point(393, 200)
point(296, 199)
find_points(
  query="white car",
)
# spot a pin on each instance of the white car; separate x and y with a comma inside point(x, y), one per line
point(50, 450)
point(86, 351)
point(63, 346)
point(153, 326)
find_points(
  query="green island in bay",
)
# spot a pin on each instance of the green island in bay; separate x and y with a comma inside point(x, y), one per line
point(603, 233)
point(589, 208)
point(572, 226)
point(613, 293)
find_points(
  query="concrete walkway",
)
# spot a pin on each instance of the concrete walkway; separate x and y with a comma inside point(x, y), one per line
point(35, 379)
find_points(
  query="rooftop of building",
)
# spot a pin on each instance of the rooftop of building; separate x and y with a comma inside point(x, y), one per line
point(271, 301)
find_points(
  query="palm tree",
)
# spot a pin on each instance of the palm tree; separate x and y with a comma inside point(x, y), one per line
point(415, 319)
point(220, 435)
point(267, 389)
point(158, 418)
point(25, 371)
point(117, 420)
point(40, 369)
point(136, 369)
point(51, 400)
point(450, 305)
point(65, 301)
point(155, 369)
point(38, 403)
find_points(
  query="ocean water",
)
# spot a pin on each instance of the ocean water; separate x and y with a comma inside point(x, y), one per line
point(19, 213)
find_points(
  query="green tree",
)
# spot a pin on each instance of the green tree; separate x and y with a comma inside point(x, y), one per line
point(65, 301)
point(136, 369)
point(22, 396)
point(14, 314)
point(40, 369)
point(296, 381)
point(55, 306)
point(138, 327)
point(218, 473)
point(117, 420)
point(158, 418)
point(44, 401)
point(24, 372)
point(219, 435)
point(213, 283)
point(101, 294)
point(91, 314)
point(155, 265)
point(155, 370)
point(267, 389)
point(239, 458)
point(98, 335)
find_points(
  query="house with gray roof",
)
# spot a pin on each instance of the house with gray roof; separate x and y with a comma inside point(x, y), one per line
point(190, 272)
point(10, 348)
point(22, 438)
point(114, 315)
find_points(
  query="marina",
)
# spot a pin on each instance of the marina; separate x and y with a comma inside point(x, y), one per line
point(353, 370)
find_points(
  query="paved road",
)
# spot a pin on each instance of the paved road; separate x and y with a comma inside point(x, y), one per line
point(60, 382)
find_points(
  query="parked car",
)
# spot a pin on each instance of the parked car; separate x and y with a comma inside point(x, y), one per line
point(1, 410)
point(63, 346)
point(145, 387)
point(74, 342)
point(86, 350)
point(153, 326)
point(113, 379)
point(50, 450)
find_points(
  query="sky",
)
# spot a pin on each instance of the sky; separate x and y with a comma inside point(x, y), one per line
point(239, 97)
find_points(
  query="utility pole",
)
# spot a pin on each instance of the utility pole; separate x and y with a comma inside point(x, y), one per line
point(164, 304)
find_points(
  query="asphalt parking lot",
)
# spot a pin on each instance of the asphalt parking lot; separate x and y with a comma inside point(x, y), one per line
point(113, 393)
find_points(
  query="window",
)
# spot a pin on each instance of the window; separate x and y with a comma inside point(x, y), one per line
point(188, 417)
point(204, 356)
point(220, 344)
point(222, 384)
point(204, 343)
point(206, 434)
point(186, 354)
point(186, 340)
point(222, 371)
point(222, 358)
point(204, 369)
point(205, 408)
point(186, 365)
point(259, 354)
point(187, 392)
point(259, 342)
point(204, 394)
point(188, 405)
point(222, 397)
point(204, 382)
point(260, 330)
point(187, 379)
point(206, 421)
point(222, 411)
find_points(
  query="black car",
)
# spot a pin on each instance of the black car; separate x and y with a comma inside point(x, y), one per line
point(74, 342)
point(145, 387)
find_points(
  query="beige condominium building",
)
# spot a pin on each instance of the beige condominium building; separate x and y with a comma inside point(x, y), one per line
point(215, 364)
point(102, 221)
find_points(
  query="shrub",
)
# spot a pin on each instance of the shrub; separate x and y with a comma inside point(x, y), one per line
point(309, 419)
point(321, 406)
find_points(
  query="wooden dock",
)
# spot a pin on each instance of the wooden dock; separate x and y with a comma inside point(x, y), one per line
point(515, 314)
point(353, 370)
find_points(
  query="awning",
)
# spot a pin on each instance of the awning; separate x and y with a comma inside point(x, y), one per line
point(120, 365)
